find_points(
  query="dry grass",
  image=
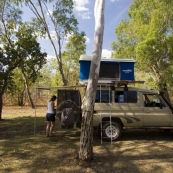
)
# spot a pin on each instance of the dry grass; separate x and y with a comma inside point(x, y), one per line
point(25, 149)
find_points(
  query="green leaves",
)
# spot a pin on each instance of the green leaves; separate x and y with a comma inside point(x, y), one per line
point(19, 47)
point(59, 19)
point(63, 17)
point(75, 47)
point(147, 37)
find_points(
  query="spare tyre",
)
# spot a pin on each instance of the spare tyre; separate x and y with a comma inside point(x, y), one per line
point(68, 104)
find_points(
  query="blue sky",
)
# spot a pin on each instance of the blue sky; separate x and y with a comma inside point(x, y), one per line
point(115, 11)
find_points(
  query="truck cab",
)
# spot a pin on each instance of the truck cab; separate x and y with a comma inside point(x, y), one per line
point(118, 108)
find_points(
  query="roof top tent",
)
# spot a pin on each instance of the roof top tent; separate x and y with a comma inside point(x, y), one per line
point(111, 69)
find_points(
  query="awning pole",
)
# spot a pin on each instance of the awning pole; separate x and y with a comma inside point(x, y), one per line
point(35, 111)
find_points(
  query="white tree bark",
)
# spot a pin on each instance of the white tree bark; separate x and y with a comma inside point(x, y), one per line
point(86, 139)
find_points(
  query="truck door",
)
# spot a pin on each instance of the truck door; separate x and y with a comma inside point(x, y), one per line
point(127, 107)
point(156, 112)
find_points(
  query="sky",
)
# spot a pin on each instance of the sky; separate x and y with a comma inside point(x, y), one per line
point(115, 11)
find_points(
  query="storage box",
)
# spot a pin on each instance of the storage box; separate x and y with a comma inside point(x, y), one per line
point(111, 69)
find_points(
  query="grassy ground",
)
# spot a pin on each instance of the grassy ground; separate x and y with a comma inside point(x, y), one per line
point(25, 149)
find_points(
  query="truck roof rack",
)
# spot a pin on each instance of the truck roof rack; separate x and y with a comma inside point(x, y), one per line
point(108, 83)
point(126, 82)
point(59, 87)
point(117, 83)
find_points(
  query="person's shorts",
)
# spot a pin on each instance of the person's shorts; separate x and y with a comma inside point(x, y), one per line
point(50, 117)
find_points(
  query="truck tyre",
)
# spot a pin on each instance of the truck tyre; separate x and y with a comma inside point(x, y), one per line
point(111, 130)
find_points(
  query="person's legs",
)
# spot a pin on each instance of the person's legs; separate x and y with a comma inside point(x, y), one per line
point(52, 124)
point(48, 124)
point(48, 128)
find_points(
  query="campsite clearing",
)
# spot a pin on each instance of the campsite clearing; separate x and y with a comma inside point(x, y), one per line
point(24, 148)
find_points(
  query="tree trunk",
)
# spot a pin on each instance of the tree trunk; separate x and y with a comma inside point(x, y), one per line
point(60, 64)
point(58, 57)
point(27, 89)
point(166, 92)
point(1, 95)
point(20, 98)
point(86, 138)
point(1, 103)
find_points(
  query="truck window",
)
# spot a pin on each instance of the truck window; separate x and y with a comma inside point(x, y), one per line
point(152, 100)
point(104, 96)
point(126, 97)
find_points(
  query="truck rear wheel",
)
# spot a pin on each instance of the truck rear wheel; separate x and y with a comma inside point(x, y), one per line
point(112, 130)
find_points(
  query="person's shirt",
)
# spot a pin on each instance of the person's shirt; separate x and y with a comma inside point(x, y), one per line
point(50, 107)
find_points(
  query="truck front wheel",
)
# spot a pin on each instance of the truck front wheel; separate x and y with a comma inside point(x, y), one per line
point(111, 130)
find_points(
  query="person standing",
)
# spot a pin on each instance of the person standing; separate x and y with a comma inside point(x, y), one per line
point(50, 116)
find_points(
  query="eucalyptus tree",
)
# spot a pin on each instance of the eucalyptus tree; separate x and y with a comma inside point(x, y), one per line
point(34, 59)
point(61, 18)
point(86, 138)
point(9, 59)
point(75, 46)
point(147, 37)
point(28, 70)
point(18, 46)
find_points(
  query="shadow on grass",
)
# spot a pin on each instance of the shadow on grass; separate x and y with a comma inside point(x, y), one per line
point(140, 134)
point(25, 148)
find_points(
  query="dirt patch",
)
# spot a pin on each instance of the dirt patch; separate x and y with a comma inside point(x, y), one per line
point(25, 149)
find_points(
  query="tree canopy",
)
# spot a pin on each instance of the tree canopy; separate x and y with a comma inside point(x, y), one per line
point(19, 47)
point(147, 37)
point(73, 49)
point(63, 21)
